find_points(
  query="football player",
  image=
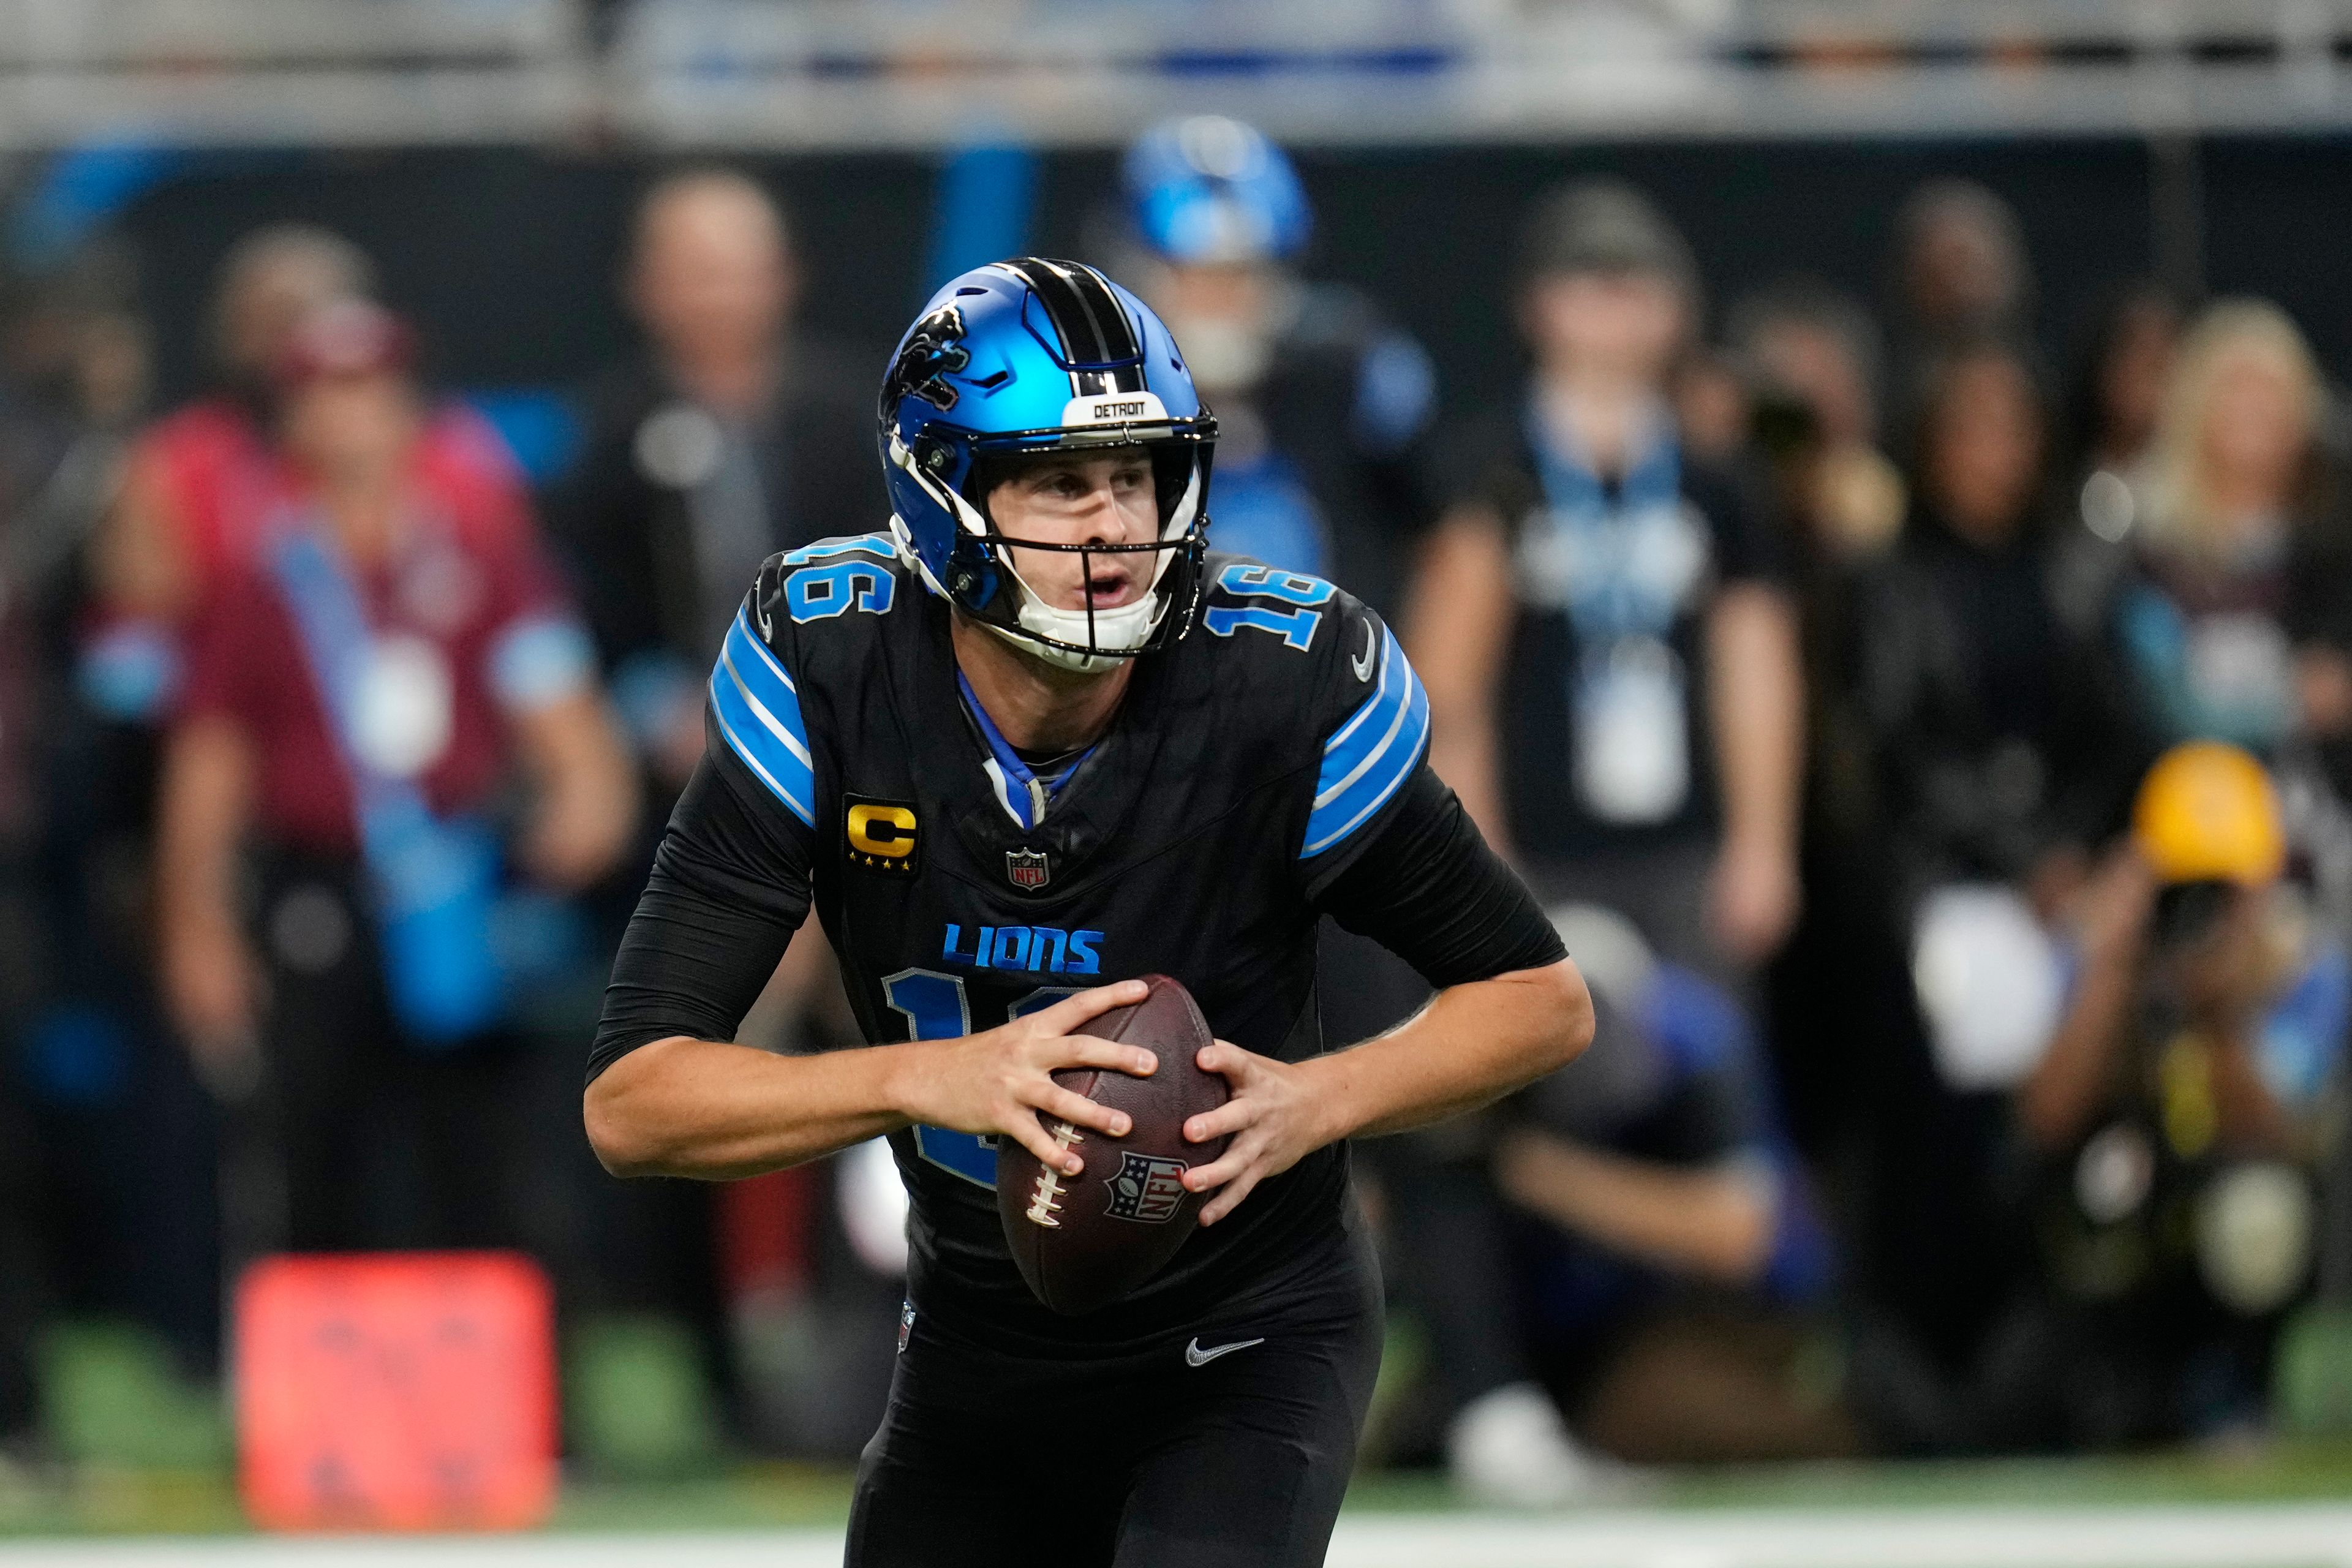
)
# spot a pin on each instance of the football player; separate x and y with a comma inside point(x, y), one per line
point(1322, 406)
point(1034, 739)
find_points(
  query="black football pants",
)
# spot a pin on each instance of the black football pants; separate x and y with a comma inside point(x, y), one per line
point(1167, 1456)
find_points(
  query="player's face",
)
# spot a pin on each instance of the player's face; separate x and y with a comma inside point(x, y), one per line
point(1106, 499)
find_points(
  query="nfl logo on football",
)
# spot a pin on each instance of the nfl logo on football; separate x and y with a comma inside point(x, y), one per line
point(1147, 1189)
point(1026, 869)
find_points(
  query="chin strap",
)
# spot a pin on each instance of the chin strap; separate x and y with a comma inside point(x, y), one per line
point(1039, 626)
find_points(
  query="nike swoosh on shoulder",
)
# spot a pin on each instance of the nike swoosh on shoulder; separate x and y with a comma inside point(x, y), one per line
point(1362, 663)
point(1195, 1356)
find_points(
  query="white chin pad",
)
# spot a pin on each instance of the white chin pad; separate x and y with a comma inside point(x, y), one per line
point(1118, 633)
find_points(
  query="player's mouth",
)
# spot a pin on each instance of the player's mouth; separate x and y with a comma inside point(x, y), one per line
point(1108, 586)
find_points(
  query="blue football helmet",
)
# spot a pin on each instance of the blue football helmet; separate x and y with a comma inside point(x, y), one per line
point(1208, 189)
point(1031, 356)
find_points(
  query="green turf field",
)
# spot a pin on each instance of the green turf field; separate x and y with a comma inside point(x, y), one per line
point(90, 1501)
point(142, 1479)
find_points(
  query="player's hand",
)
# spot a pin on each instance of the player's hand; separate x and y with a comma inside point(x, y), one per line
point(1274, 1117)
point(1000, 1080)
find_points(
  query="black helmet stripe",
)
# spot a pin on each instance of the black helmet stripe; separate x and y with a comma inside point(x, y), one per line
point(1093, 328)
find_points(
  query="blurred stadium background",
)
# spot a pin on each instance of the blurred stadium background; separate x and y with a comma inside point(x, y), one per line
point(720, 1356)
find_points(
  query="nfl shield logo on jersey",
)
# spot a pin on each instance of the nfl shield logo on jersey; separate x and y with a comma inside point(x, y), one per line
point(1026, 869)
point(1148, 1189)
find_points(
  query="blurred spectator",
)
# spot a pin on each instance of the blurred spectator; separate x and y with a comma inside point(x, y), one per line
point(2114, 401)
point(1615, 610)
point(1610, 607)
point(737, 436)
point(1321, 402)
point(193, 482)
point(2001, 752)
point(110, 1172)
point(361, 689)
point(2228, 604)
point(2170, 1135)
point(1961, 274)
point(1653, 1209)
point(1814, 357)
point(736, 433)
point(1999, 745)
point(2178, 1114)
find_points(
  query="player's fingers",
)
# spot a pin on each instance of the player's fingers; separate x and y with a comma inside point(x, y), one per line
point(1224, 1203)
point(1057, 1101)
point(1030, 1134)
point(1092, 1003)
point(1230, 1117)
point(1226, 1057)
point(1086, 1051)
point(1218, 1172)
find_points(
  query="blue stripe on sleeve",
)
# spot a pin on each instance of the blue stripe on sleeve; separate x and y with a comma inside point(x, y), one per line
point(759, 711)
point(825, 549)
point(1369, 757)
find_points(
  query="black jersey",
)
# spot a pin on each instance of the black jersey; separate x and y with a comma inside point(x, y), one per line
point(1234, 799)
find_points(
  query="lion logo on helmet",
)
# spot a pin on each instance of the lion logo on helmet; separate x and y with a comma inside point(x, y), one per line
point(933, 351)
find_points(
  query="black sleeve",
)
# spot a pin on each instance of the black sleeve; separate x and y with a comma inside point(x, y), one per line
point(728, 887)
point(1429, 889)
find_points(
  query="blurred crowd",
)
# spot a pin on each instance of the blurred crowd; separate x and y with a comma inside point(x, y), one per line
point(1931, 741)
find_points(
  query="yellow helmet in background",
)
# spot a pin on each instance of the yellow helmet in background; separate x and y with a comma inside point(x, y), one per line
point(2207, 813)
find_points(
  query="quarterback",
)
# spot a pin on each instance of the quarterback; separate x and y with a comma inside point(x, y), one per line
point(1033, 741)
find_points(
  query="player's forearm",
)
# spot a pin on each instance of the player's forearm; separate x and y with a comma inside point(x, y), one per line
point(1471, 1045)
point(692, 1108)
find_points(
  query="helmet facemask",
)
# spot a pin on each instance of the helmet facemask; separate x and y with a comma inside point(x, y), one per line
point(984, 583)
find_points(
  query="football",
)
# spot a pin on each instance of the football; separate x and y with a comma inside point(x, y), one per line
point(1082, 1242)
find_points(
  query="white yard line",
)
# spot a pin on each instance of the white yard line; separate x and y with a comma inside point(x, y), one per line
point(2283, 1536)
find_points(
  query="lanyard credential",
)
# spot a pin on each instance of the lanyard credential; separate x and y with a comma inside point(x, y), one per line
point(1621, 568)
point(434, 882)
point(1599, 558)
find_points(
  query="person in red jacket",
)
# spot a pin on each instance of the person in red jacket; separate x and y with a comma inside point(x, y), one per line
point(195, 480)
point(367, 684)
